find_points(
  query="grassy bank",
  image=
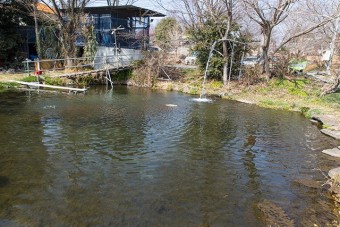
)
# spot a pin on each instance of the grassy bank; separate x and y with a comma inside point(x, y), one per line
point(295, 93)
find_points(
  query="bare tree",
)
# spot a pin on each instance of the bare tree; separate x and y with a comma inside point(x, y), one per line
point(68, 17)
point(309, 16)
point(334, 85)
point(194, 13)
point(268, 14)
point(230, 5)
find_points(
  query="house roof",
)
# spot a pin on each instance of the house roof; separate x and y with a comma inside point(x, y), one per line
point(124, 11)
point(44, 8)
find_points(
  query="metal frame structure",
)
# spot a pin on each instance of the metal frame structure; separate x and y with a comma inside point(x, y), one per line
point(134, 20)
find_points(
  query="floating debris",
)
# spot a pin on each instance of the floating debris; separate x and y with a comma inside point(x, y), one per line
point(49, 107)
point(171, 105)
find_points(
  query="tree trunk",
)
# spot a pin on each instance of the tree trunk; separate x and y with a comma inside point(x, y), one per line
point(265, 51)
point(265, 67)
point(225, 65)
point(69, 44)
point(36, 29)
point(69, 61)
point(225, 50)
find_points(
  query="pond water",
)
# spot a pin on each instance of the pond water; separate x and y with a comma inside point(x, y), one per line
point(124, 157)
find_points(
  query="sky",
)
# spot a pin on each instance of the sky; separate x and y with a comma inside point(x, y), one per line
point(141, 3)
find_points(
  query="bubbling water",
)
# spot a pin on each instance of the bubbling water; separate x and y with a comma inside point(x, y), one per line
point(202, 100)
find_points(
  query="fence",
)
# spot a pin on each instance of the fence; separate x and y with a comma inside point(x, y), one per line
point(99, 62)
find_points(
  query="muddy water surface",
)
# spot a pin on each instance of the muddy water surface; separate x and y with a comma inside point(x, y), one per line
point(125, 158)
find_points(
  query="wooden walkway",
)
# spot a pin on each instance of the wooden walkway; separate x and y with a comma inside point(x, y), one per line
point(50, 86)
point(76, 74)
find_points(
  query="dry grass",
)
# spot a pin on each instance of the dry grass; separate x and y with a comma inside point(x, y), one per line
point(12, 76)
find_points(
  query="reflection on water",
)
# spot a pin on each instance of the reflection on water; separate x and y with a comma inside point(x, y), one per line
point(125, 157)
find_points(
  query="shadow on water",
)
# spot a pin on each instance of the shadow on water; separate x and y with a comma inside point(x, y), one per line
point(3, 181)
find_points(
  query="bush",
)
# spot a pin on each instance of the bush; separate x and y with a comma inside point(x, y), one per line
point(122, 75)
point(145, 74)
point(280, 66)
point(251, 75)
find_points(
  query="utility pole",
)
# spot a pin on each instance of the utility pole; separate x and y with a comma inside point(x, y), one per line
point(36, 27)
point(332, 46)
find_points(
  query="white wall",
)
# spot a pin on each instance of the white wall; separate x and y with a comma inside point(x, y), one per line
point(107, 55)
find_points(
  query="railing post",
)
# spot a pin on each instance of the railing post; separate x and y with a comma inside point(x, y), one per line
point(28, 67)
point(38, 72)
point(38, 64)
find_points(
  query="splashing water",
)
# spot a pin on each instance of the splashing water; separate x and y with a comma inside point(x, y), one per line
point(202, 100)
point(202, 97)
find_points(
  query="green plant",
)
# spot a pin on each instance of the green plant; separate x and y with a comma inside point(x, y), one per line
point(310, 112)
point(169, 87)
point(84, 81)
point(294, 86)
point(216, 84)
point(30, 79)
point(91, 43)
point(194, 90)
point(57, 81)
point(331, 98)
point(276, 104)
point(49, 42)
point(206, 34)
point(4, 86)
point(167, 33)
point(13, 14)
point(122, 75)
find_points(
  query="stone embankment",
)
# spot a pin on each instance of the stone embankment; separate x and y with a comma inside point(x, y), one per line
point(332, 129)
point(334, 184)
point(331, 125)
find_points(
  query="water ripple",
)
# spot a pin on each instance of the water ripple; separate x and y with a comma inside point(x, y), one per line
point(124, 157)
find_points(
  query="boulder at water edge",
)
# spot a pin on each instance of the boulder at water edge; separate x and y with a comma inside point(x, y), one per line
point(335, 152)
point(334, 173)
point(332, 133)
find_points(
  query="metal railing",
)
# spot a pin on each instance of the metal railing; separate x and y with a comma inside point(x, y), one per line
point(83, 63)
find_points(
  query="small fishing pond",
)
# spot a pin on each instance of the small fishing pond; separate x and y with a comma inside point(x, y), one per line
point(123, 157)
